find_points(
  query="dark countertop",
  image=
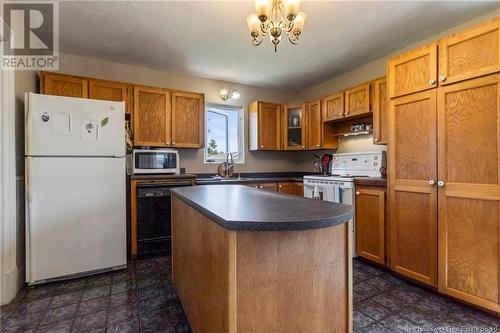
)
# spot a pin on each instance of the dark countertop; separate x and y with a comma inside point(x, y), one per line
point(245, 208)
point(253, 177)
point(163, 176)
point(371, 181)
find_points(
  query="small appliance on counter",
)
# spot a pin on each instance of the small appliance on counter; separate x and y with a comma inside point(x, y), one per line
point(153, 161)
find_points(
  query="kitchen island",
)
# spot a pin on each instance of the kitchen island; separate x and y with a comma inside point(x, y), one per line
point(247, 260)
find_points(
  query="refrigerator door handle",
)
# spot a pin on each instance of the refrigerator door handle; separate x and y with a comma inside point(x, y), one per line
point(29, 122)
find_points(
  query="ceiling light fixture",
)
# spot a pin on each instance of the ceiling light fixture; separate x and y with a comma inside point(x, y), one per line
point(225, 94)
point(276, 17)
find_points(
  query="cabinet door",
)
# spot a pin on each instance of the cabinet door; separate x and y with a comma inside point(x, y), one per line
point(370, 224)
point(109, 91)
point(380, 112)
point(469, 197)
point(286, 187)
point(298, 189)
point(273, 187)
point(188, 120)
point(357, 100)
point(314, 124)
point(413, 71)
point(294, 127)
point(152, 117)
point(269, 132)
point(333, 106)
point(63, 85)
point(470, 54)
point(413, 195)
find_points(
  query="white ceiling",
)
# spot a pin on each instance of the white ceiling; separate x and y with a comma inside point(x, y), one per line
point(210, 38)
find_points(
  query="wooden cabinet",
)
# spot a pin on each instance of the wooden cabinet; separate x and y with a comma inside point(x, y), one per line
point(469, 54)
point(370, 223)
point(265, 126)
point(413, 71)
point(413, 197)
point(152, 117)
point(294, 127)
point(333, 106)
point(295, 188)
point(188, 114)
point(314, 132)
point(469, 191)
point(357, 100)
point(63, 85)
point(273, 187)
point(380, 111)
point(110, 91)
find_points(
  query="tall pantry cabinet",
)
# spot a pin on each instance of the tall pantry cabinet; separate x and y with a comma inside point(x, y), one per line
point(444, 146)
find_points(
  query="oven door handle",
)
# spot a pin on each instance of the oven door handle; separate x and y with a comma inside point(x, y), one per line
point(340, 193)
point(158, 184)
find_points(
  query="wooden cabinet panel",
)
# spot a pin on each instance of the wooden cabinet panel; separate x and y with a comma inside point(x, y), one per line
point(152, 117)
point(294, 127)
point(63, 85)
point(412, 199)
point(298, 188)
point(286, 187)
point(264, 126)
point(188, 120)
point(370, 223)
point(380, 112)
point(273, 187)
point(469, 54)
point(333, 107)
point(357, 100)
point(314, 124)
point(110, 91)
point(413, 71)
point(469, 198)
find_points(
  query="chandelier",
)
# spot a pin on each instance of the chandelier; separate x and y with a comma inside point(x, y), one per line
point(276, 17)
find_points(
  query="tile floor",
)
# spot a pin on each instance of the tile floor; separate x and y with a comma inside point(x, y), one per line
point(141, 299)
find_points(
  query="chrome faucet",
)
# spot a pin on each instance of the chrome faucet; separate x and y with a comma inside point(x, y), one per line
point(228, 164)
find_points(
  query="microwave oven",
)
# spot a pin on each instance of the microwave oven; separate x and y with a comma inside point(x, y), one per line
point(146, 161)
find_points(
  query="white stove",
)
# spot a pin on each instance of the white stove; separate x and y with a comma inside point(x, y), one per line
point(338, 186)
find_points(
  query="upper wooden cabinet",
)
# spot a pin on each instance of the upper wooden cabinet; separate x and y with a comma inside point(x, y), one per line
point(370, 223)
point(63, 85)
point(380, 111)
point(152, 117)
point(412, 190)
point(314, 131)
point(472, 53)
point(333, 106)
point(294, 127)
point(265, 126)
point(469, 191)
point(188, 114)
point(110, 91)
point(413, 71)
point(357, 100)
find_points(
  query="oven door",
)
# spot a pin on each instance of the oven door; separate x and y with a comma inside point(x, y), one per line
point(327, 191)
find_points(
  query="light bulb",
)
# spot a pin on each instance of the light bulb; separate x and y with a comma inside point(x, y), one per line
point(298, 23)
point(235, 94)
point(291, 8)
point(262, 8)
point(253, 23)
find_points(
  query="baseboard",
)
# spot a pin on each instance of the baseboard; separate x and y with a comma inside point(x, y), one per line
point(14, 280)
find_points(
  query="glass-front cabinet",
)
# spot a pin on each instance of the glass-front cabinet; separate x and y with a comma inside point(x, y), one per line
point(294, 124)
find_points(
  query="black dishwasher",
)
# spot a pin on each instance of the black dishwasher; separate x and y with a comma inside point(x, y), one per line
point(153, 218)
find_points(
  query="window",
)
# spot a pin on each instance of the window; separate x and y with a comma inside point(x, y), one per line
point(224, 133)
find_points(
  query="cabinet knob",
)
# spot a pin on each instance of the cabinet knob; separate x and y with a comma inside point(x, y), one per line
point(168, 142)
point(432, 81)
point(442, 78)
point(260, 186)
point(357, 193)
point(280, 186)
point(318, 145)
point(440, 183)
point(303, 147)
point(376, 139)
point(261, 146)
point(432, 182)
point(173, 142)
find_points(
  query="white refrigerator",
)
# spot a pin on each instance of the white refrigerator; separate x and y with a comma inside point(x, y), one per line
point(75, 187)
